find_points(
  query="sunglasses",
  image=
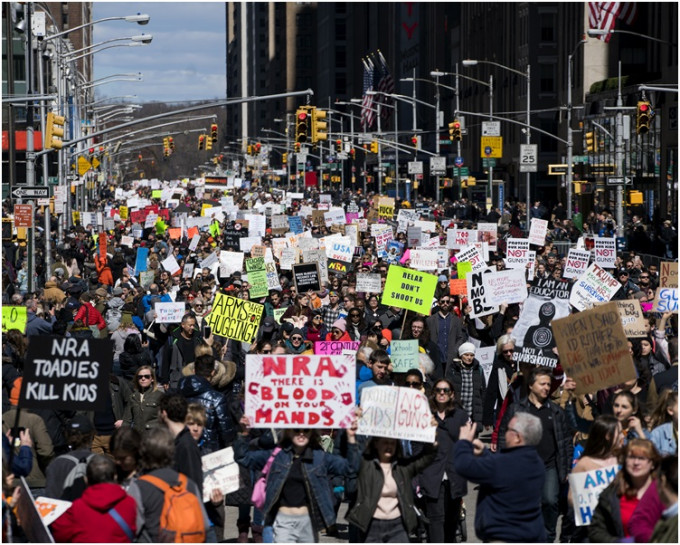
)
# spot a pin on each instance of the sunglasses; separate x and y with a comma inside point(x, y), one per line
point(413, 384)
point(318, 318)
point(296, 338)
point(509, 351)
point(442, 390)
point(143, 376)
point(355, 315)
point(297, 431)
point(444, 301)
point(266, 351)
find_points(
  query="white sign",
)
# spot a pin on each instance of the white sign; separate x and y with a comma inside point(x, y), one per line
point(491, 128)
point(528, 158)
point(339, 248)
point(335, 217)
point(577, 263)
point(437, 166)
point(476, 293)
point(595, 286)
point(457, 239)
point(415, 167)
point(605, 252)
point(539, 228)
point(517, 253)
point(424, 260)
point(586, 488)
point(220, 470)
point(471, 255)
point(230, 262)
point(368, 283)
point(209, 261)
point(169, 313)
point(170, 264)
point(505, 287)
point(127, 241)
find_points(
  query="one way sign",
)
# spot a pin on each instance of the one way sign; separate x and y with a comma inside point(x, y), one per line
point(31, 192)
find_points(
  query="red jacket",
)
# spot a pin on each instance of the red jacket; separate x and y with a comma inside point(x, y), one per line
point(90, 316)
point(88, 521)
point(345, 337)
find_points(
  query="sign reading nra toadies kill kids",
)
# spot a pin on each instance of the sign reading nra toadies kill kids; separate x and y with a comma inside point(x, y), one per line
point(66, 373)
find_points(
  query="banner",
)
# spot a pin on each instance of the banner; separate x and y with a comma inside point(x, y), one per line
point(476, 294)
point(605, 252)
point(547, 301)
point(221, 471)
point(586, 488)
point(335, 348)
point(289, 391)
point(169, 313)
point(593, 349)
point(409, 289)
point(368, 283)
point(404, 355)
point(15, 318)
point(517, 253)
point(67, 373)
point(668, 276)
point(577, 263)
point(257, 277)
point(666, 300)
point(537, 232)
point(235, 318)
point(397, 413)
point(306, 277)
point(594, 286)
point(505, 287)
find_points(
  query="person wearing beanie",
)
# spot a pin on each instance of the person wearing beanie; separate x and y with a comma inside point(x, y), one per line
point(467, 378)
point(443, 287)
point(296, 342)
point(339, 331)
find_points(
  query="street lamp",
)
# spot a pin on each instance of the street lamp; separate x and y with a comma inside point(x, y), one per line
point(597, 32)
point(527, 75)
point(114, 77)
point(140, 19)
point(396, 137)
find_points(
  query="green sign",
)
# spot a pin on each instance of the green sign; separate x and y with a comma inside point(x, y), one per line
point(409, 289)
point(488, 162)
point(53, 180)
point(462, 171)
point(580, 158)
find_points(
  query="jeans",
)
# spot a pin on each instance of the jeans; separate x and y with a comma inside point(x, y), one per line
point(443, 513)
point(386, 531)
point(550, 503)
point(293, 529)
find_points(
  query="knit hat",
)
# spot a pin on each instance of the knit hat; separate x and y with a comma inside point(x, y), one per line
point(101, 292)
point(442, 278)
point(297, 331)
point(340, 324)
point(466, 348)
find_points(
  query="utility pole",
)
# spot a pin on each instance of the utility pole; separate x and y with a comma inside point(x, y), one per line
point(379, 115)
point(619, 159)
point(436, 130)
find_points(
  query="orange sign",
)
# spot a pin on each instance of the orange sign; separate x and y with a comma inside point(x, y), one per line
point(23, 215)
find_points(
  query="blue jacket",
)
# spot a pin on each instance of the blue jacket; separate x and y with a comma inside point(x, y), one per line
point(663, 439)
point(318, 469)
point(220, 430)
point(38, 326)
point(509, 500)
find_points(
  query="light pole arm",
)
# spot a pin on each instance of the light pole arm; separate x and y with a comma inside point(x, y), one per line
point(139, 19)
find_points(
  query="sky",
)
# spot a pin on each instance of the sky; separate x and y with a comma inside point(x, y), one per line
point(185, 61)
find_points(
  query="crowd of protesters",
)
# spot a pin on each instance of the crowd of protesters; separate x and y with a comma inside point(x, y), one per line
point(177, 392)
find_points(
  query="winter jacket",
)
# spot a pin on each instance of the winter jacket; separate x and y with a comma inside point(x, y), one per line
point(370, 483)
point(454, 373)
point(447, 434)
point(456, 335)
point(43, 450)
point(88, 519)
point(129, 363)
point(562, 434)
point(38, 326)
point(606, 525)
point(666, 530)
point(318, 468)
point(493, 393)
point(103, 270)
point(114, 313)
point(509, 499)
point(90, 316)
point(141, 412)
point(664, 440)
point(646, 515)
point(220, 428)
point(53, 294)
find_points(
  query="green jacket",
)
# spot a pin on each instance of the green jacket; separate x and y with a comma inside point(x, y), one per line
point(606, 525)
point(666, 531)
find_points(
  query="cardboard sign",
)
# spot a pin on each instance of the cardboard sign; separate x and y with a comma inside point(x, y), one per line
point(235, 318)
point(517, 253)
point(505, 287)
point(404, 355)
point(334, 348)
point(548, 300)
point(605, 252)
point(593, 349)
point(409, 289)
point(537, 232)
point(289, 391)
point(15, 318)
point(306, 277)
point(577, 263)
point(666, 300)
point(368, 283)
point(632, 319)
point(594, 286)
point(397, 413)
point(257, 277)
point(169, 313)
point(668, 276)
point(221, 471)
point(586, 488)
point(67, 373)
point(386, 208)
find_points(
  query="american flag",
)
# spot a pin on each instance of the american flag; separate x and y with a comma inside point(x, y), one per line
point(367, 115)
point(603, 15)
point(385, 85)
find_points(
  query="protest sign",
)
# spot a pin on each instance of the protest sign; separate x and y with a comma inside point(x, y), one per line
point(458, 286)
point(334, 217)
point(220, 471)
point(339, 248)
point(666, 300)
point(404, 355)
point(15, 318)
point(209, 261)
point(424, 260)
point(548, 299)
point(146, 278)
point(386, 208)
point(333, 348)
point(246, 243)
point(339, 267)
point(306, 277)
point(169, 313)
point(28, 514)
point(594, 286)
point(471, 255)
point(463, 268)
point(127, 241)
point(279, 224)
point(140, 261)
point(457, 239)
point(257, 277)
point(123, 211)
point(586, 487)
point(605, 252)
point(67, 373)
point(188, 270)
point(668, 276)
point(485, 356)
point(230, 262)
point(273, 281)
point(295, 224)
point(289, 256)
point(414, 236)
point(235, 318)
point(632, 319)
point(300, 391)
point(517, 253)
point(194, 242)
point(278, 314)
point(394, 250)
point(593, 349)
point(51, 509)
point(505, 287)
point(537, 232)
point(170, 264)
point(488, 232)
point(577, 263)
point(368, 283)
point(409, 289)
point(397, 413)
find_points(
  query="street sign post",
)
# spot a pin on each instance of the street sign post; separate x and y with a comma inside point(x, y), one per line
point(30, 192)
point(415, 167)
point(493, 145)
point(614, 180)
point(528, 158)
point(23, 215)
point(438, 166)
point(491, 128)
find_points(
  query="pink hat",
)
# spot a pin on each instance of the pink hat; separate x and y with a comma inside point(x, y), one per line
point(340, 324)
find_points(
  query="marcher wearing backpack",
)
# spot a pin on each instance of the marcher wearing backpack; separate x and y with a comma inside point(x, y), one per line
point(65, 476)
point(169, 506)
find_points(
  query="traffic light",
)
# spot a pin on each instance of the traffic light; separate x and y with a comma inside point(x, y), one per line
point(352, 153)
point(284, 158)
point(590, 142)
point(302, 119)
point(166, 147)
point(54, 131)
point(644, 116)
point(139, 158)
point(338, 146)
point(298, 147)
point(455, 133)
point(208, 142)
point(213, 132)
point(256, 148)
point(318, 125)
point(171, 143)
point(374, 146)
point(201, 142)
point(415, 141)
point(249, 150)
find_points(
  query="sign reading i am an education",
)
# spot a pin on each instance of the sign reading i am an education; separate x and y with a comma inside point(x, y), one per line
point(300, 391)
point(67, 373)
point(409, 289)
point(235, 318)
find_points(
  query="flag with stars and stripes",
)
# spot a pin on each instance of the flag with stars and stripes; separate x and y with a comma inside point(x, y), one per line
point(367, 113)
point(603, 15)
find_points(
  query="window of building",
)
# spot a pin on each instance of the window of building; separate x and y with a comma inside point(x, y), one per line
point(340, 83)
point(340, 29)
point(340, 57)
point(547, 78)
point(548, 27)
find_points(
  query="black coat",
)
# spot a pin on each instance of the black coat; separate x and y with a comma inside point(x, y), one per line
point(493, 393)
point(455, 374)
point(606, 525)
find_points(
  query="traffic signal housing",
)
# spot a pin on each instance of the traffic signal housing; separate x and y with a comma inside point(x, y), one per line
point(374, 146)
point(208, 142)
point(171, 143)
point(338, 146)
point(201, 142)
point(319, 126)
point(302, 120)
point(455, 133)
point(54, 131)
point(256, 148)
point(213, 132)
point(644, 117)
point(590, 142)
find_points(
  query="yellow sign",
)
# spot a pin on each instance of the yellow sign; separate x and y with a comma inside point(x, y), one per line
point(492, 144)
point(123, 211)
point(205, 207)
point(14, 318)
point(235, 318)
point(83, 165)
point(95, 162)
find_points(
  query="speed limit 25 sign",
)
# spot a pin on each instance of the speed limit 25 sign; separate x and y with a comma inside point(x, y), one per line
point(528, 158)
